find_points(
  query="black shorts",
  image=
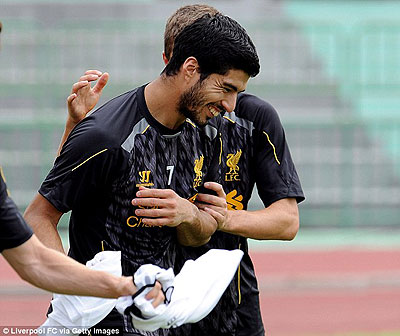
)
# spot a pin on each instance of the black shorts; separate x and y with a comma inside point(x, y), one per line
point(249, 321)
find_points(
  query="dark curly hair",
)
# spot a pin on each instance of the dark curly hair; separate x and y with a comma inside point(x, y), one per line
point(218, 43)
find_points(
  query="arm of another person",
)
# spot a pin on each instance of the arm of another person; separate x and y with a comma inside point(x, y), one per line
point(41, 214)
point(53, 271)
point(43, 217)
point(82, 100)
point(278, 221)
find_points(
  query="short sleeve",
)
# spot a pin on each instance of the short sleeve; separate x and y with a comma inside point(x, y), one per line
point(84, 169)
point(275, 173)
point(13, 229)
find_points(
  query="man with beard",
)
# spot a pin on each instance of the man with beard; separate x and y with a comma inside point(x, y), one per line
point(140, 146)
point(254, 152)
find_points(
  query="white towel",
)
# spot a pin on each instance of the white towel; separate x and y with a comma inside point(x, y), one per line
point(71, 311)
point(197, 290)
point(145, 278)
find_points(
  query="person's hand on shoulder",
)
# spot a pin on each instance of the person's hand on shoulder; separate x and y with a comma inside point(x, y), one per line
point(84, 97)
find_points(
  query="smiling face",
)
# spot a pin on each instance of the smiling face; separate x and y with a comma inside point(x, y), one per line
point(215, 94)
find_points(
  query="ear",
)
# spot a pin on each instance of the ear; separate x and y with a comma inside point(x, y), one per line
point(190, 68)
point(165, 59)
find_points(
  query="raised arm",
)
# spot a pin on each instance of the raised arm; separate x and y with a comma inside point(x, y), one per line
point(82, 100)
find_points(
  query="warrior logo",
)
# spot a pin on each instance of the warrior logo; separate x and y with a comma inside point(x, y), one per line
point(144, 179)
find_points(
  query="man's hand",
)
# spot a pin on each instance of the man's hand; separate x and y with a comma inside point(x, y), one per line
point(163, 207)
point(82, 100)
point(83, 97)
point(156, 295)
point(216, 206)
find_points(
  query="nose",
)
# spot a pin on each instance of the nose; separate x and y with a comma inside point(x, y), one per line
point(229, 102)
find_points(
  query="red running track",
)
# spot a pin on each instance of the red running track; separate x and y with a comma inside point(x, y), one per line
point(302, 292)
point(329, 292)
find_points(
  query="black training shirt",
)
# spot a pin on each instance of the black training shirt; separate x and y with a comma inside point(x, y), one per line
point(106, 158)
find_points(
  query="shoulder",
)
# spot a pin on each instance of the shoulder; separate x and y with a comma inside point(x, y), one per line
point(257, 111)
point(89, 136)
point(109, 125)
point(122, 104)
point(251, 106)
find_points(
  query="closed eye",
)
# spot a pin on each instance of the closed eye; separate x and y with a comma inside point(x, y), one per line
point(230, 88)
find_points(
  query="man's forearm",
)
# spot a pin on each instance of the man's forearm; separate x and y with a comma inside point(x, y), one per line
point(55, 272)
point(70, 277)
point(280, 221)
point(44, 219)
point(69, 126)
point(198, 230)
